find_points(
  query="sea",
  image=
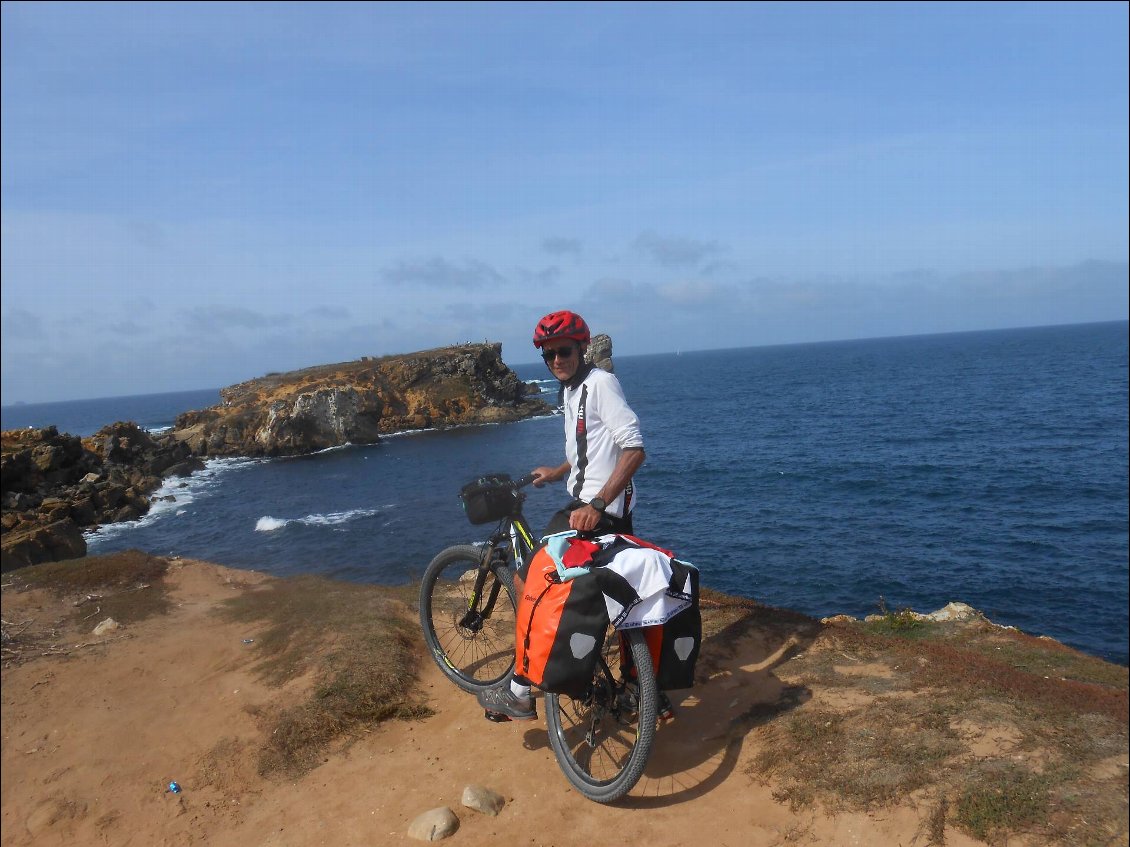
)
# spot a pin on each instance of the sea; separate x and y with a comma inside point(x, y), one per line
point(851, 477)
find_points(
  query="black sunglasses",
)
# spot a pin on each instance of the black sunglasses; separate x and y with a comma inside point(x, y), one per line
point(559, 353)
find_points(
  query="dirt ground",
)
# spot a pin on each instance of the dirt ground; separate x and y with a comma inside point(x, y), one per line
point(93, 736)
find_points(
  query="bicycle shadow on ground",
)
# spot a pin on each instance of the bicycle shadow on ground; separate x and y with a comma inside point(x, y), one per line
point(735, 692)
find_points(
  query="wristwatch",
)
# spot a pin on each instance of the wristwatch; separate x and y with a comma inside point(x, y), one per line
point(598, 504)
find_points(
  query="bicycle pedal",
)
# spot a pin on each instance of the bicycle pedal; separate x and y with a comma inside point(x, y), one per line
point(496, 717)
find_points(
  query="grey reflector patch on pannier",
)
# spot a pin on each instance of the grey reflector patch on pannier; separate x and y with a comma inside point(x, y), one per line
point(683, 647)
point(581, 644)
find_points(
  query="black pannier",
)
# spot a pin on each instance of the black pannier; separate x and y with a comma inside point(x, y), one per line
point(489, 498)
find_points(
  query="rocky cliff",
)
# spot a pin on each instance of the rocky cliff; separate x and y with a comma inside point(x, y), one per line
point(357, 402)
point(600, 353)
point(55, 485)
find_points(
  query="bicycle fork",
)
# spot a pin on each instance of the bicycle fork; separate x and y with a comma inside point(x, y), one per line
point(476, 616)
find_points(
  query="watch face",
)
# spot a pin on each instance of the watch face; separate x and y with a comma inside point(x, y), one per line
point(598, 504)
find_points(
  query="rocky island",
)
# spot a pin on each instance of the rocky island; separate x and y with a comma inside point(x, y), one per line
point(357, 402)
point(55, 484)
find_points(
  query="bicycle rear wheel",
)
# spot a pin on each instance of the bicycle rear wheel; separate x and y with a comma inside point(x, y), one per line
point(469, 622)
point(602, 740)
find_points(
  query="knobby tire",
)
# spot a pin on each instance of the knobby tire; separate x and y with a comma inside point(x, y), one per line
point(473, 646)
point(601, 743)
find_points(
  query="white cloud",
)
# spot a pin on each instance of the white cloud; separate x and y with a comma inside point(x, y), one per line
point(214, 318)
point(558, 246)
point(331, 313)
point(20, 324)
point(671, 251)
point(695, 292)
point(438, 272)
point(616, 290)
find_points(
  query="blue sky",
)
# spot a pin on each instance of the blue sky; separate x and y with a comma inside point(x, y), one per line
point(197, 194)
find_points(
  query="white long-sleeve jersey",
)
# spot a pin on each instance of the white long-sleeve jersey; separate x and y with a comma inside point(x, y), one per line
point(599, 426)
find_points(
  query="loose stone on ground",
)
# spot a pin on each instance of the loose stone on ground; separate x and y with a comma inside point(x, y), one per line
point(434, 825)
point(482, 800)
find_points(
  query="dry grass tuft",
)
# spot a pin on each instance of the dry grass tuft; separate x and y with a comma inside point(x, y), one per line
point(93, 573)
point(1001, 798)
point(360, 645)
point(1004, 663)
point(879, 753)
point(947, 665)
point(128, 587)
point(1058, 718)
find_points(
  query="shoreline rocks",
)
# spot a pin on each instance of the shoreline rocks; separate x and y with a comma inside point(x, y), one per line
point(56, 484)
point(952, 612)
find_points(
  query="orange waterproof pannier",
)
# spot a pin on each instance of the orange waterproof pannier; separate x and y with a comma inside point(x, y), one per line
point(559, 627)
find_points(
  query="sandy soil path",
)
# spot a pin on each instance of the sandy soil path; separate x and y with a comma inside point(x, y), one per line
point(92, 739)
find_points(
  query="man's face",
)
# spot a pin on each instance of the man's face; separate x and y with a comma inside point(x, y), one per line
point(562, 358)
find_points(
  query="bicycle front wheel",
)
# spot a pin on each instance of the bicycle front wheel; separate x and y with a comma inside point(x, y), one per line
point(602, 740)
point(467, 612)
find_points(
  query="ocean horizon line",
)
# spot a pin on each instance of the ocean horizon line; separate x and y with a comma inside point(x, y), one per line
point(23, 405)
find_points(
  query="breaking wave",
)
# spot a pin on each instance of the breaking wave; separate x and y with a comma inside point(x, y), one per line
point(271, 524)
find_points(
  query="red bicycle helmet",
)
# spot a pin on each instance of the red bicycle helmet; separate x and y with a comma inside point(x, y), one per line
point(564, 324)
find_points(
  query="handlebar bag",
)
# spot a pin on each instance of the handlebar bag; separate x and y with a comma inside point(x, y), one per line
point(489, 498)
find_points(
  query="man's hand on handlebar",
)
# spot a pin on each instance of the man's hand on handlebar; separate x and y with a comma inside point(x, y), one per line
point(543, 475)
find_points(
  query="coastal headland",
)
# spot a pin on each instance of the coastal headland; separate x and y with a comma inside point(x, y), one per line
point(57, 485)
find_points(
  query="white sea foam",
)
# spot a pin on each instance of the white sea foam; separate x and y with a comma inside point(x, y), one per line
point(174, 495)
point(346, 446)
point(404, 433)
point(267, 523)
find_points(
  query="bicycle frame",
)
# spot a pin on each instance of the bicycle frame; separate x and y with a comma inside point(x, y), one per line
point(521, 539)
point(516, 531)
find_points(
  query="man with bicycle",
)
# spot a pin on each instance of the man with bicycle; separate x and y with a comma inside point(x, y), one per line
point(603, 451)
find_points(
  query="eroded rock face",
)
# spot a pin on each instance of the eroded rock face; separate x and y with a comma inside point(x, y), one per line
point(357, 402)
point(599, 352)
point(30, 543)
